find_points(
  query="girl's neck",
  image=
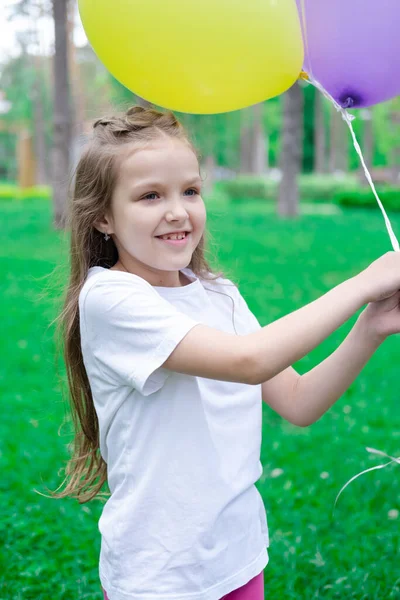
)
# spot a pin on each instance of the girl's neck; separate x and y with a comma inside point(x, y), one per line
point(119, 266)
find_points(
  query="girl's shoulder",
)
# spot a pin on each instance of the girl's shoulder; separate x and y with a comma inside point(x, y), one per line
point(220, 282)
point(99, 275)
point(101, 282)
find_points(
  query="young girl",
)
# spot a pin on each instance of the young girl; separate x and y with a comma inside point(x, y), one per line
point(167, 369)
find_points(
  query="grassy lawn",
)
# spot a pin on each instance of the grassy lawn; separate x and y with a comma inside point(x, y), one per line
point(49, 549)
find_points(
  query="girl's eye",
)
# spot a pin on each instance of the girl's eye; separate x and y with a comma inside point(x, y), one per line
point(195, 192)
point(153, 195)
point(147, 197)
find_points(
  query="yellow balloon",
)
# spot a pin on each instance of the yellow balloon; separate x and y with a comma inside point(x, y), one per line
point(198, 56)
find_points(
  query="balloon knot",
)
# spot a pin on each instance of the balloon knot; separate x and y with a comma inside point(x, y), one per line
point(304, 75)
point(350, 98)
point(348, 103)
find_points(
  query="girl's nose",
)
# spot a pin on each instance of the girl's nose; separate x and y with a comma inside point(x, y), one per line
point(176, 212)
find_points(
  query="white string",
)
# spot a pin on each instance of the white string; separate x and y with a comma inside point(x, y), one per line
point(307, 50)
point(348, 118)
point(373, 451)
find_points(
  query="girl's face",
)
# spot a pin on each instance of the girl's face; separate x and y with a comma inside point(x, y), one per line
point(158, 191)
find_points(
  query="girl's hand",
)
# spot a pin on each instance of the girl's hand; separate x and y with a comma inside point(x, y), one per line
point(382, 318)
point(381, 279)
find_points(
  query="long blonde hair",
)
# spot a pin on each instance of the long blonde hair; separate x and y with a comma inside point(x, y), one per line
point(95, 179)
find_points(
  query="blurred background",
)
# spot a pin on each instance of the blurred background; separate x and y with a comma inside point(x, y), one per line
point(291, 215)
point(52, 86)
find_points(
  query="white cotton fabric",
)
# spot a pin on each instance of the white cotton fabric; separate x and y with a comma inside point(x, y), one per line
point(184, 520)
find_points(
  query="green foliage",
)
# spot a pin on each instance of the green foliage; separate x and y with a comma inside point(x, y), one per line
point(386, 132)
point(18, 77)
point(322, 188)
point(9, 191)
point(49, 548)
point(364, 197)
point(313, 188)
point(272, 128)
point(218, 134)
point(248, 186)
point(120, 95)
point(8, 159)
point(353, 161)
point(22, 78)
point(309, 93)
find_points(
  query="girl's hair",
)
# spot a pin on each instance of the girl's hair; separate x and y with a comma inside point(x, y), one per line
point(95, 179)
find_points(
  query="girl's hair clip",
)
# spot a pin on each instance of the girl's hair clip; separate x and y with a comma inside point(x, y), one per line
point(103, 122)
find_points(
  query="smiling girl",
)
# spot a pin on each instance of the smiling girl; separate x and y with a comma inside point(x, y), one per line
point(168, 367)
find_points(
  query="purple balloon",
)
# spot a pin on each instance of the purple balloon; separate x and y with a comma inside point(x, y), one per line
point(352, 47)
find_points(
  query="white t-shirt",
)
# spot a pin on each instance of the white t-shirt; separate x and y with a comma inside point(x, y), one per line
point(184, 520)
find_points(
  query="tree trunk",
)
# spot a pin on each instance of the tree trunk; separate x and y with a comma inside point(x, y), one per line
point(258, 146)
point(245, 141)
point(26, 160)
point(253, 143)
point(368, 138)
point(338, 151)
point(62, 115)
point(319, 135)
point(395, 165)
point(39, 126)
point(77, 98)
point(291, 151)
point(368, 144)
point(209, 163)
point(394, 152)
point(209, 168)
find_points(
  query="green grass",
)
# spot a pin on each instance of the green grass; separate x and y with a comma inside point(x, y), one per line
point(49, 549)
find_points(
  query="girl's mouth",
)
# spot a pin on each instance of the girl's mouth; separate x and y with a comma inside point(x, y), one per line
point(176, 242)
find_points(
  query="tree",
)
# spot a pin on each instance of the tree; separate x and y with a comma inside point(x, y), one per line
point(253, 142)
point(319, 134)
point(259, 162)
point(245, 141)
point(62, 118)
point(62, 113)
point(39, 128)
point(339, 140)
point(27, 82)
point(291, 151)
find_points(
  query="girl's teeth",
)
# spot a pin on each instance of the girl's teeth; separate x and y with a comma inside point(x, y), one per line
point(173, 237)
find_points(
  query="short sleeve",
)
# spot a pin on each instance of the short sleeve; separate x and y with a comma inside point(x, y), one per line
point(131, 331)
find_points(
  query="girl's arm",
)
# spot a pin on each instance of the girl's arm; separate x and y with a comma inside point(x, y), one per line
point(293, 336)
point(318, 389)
point(296, 334)
point(260, 356)
point(310, 395)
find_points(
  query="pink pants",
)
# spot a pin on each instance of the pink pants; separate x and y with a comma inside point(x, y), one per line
point(253, 590)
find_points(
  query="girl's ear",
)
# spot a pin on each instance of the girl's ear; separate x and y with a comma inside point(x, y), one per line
point(104, 225)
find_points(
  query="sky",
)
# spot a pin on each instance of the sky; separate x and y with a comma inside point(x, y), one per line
point(9, 29)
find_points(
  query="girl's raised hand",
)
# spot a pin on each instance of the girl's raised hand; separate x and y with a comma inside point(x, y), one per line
point(381, 279)
point(382, 318)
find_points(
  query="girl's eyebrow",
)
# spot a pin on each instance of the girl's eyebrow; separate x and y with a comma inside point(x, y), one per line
point(153, 182)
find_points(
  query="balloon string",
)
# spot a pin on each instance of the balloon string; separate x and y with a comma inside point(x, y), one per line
point(348, 118)
point(305, 34)
point(393, 239)
point(372, 450)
